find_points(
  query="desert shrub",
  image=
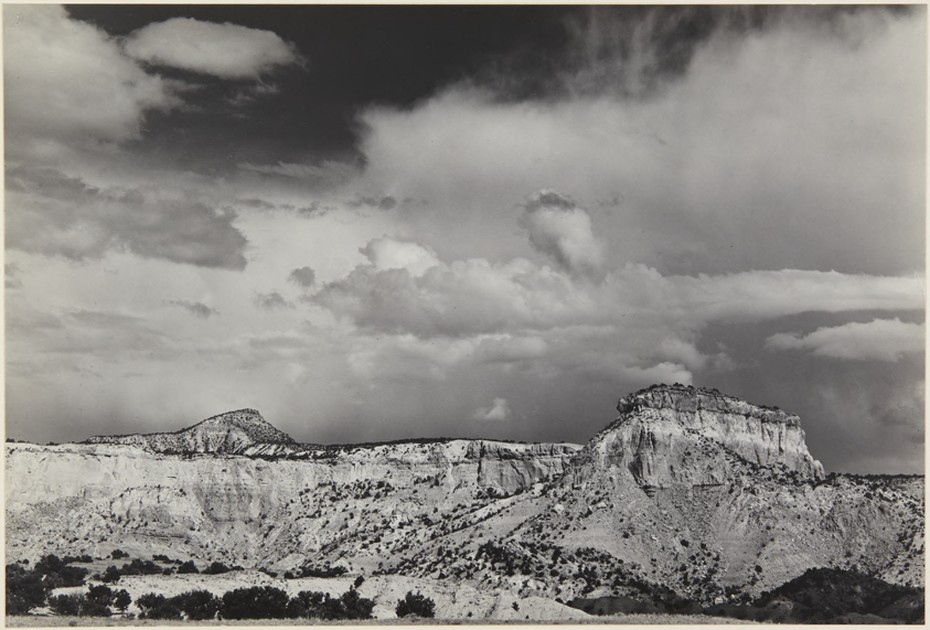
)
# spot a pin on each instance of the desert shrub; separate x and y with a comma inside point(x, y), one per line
point(417, 605)
point(111, 574)
point(100, 594)
point(121, 600)
point(66, 576)
point(216, 568)
point(325, 571)
point(317, 605)
point(355, 606)
point(90, 608)
point(66, 604)
point(358, 581)
point(256, 602)
point(198, 605)
point(141, 567)
point(49, 563)
point(119, 553)
point(154, 606)
point(306, 604)
point(95, 603)
point(188, 567)
point(24, 589)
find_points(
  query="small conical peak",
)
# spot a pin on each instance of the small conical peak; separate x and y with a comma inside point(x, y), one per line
point(229, 432)
point(251, 422)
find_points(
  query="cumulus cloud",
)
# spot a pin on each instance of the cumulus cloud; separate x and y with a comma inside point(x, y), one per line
point(498, 411)
point(389, 253)
point(271, 301)
point(198, 309)
point(55, 213)
point(878, 340)
point(72, 84)
point(303, 277)
point(228, 51)
point(404, 288)
point(561, 230)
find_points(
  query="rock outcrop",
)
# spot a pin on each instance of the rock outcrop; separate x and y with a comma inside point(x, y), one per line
point(233, 432)
point(675, 435)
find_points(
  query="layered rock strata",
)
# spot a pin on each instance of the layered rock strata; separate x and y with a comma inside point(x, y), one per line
point(674, 435)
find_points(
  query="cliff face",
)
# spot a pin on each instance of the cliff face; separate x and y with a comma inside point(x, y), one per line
point(670, 436)
point(246, 509)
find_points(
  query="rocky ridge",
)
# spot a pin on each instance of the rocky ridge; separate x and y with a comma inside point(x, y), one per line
point(233, 432)
point(704, 494)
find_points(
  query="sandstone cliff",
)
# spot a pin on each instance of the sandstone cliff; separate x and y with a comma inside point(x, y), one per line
point(682, 436)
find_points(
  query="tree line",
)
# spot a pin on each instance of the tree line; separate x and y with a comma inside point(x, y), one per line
point(28, 588)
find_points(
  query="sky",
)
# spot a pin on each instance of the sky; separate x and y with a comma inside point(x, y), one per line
point(375, 223)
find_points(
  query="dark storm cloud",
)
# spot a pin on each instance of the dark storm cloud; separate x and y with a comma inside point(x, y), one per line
point(271, 301)
point(258, 204)
point(859, 415)
point(303, 276)
point(314, 209)
point(53, 213)
point(634, 51)
point(198, 309)
point(386, 202)
point(11, 277)
point(328, 172)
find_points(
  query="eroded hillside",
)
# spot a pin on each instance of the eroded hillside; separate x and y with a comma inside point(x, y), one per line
point(709, 496)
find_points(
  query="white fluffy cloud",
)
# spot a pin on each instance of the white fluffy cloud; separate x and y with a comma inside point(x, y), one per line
point(433, 319)
point(497, 412)
point(878, 340)
point(388, 253)
point(68, 82)
point(228, 51)
point(561, 230)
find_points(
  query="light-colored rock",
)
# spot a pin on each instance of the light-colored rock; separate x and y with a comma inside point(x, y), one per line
point(673, 435)
point(689, 489)
point(230, 432)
